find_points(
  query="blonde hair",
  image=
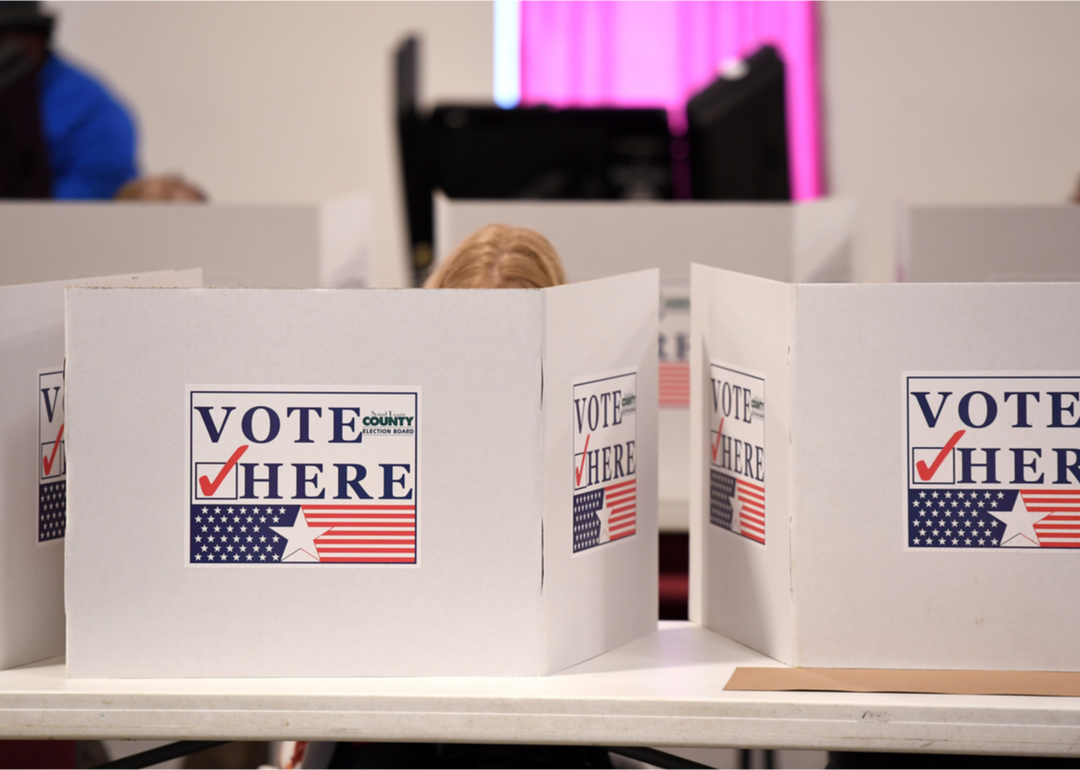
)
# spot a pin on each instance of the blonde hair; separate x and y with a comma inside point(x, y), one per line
point(500, 257)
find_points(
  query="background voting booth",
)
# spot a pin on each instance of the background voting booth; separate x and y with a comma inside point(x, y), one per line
point(807, 242)
point(33, 462)
point(360, 483)
point(990, 243)
point(236, 245)
point(923, 454)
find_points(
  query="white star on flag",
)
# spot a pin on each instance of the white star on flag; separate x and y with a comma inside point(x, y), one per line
point(1020, 525)
point(300, 539)
point(605, 532)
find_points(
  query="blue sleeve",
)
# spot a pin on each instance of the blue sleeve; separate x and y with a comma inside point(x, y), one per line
point(90, 135)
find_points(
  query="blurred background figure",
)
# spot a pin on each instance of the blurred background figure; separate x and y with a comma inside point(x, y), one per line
point(89, 136)
point(24, 161)
point(63, 134)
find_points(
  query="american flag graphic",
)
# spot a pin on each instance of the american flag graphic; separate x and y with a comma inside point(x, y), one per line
point(1061, 527)
point(737, 505)
point(620, 501)
point(982, 518)
point(257, 534)
point(366, 534)
point(675, 384)
point(52, 511)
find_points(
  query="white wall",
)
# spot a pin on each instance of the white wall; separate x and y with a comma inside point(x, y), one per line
point(945, 102)
point(932, 102)
point(280, 102)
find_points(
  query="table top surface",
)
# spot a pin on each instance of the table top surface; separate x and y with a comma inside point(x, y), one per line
point(666, 689)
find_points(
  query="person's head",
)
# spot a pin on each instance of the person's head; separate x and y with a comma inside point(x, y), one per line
point(24, 24)
point(500, 257)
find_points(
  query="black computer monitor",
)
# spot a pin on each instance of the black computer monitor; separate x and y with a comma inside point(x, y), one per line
point(543, 153)
point(737, 130)
point(533, 153)
point(415, 151)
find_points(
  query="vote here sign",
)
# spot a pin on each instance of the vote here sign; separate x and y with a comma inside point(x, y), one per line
point(306, 476)
point(992, 460)
point(605, 459)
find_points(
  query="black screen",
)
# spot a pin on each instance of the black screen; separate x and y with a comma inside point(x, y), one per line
point(738, 134)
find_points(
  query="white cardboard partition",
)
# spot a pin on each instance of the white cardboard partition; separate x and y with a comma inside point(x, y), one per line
point(807, 242)
point(236, 245)
point(33, 463)
point(887, 475)
point(990, 243)
point(360, 482)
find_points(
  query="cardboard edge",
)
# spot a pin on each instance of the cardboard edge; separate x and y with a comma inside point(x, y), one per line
point(793, 470)
point(698, 366)
point(543, 665)
point(926, 681)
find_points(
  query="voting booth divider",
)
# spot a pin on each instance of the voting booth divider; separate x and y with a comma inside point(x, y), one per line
point(887, 476)
point(240, 245)
point(33, 462)
point(803, 242)
point(360, 482)
point(989, 243)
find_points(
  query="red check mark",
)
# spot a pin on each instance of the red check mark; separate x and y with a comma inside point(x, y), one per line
point(928, 473)
point(209, 487)
point(584, 454)
point(719, 432)
point(48, 461)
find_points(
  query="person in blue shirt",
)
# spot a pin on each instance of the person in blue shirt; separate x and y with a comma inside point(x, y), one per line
point(88, 133)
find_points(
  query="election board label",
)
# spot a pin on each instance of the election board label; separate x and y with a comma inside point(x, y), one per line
point(991, 460)
point(302, 476)
point(605, 459)
point(51, 457)
point(737, 451)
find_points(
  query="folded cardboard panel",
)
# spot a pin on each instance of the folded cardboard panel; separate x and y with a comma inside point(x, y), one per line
point(357, 482)
point(806, 242)
point(990, 243)
point(601, 360)
point(33, 463)
point(295, 245)
point(913, 453)
point(809, 242)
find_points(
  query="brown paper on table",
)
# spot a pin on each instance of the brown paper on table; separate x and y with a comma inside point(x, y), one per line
point(946, 682)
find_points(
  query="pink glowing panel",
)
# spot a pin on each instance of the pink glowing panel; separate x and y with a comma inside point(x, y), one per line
point(592, 53)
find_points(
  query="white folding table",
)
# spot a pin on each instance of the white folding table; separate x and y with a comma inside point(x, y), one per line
point(666, 689)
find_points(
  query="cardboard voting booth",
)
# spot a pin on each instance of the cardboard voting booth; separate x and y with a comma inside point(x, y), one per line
point(805, 242)
point(33, 463)
point(286, 245)
point(360, 482)
point(990, 243)
point(887, 476)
